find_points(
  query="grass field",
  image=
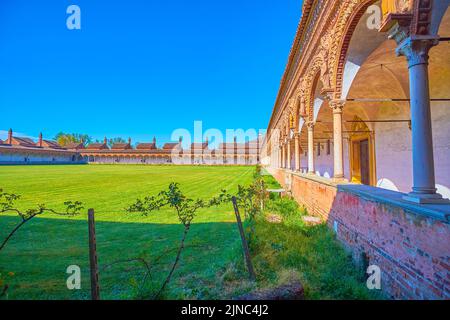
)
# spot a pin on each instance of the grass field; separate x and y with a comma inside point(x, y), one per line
point(211, 266)
point(39, 254)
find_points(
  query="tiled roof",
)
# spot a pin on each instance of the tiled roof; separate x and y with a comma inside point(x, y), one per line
point(146, 146)
point(121, 146)
point(35, 150)
point(51, 144)
point(97, 146)
point(25, 142)
point(75, 145)
point(227, 146)
point(170, 146)
point(203, 145)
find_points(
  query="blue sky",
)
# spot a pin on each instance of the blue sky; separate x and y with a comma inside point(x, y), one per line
point(140, 68)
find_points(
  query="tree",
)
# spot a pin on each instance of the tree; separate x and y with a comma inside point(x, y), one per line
point(185, 208)
point(112, 141)
point(64, 139)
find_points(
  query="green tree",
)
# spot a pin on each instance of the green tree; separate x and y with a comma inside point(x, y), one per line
point(64, 139)
point(112, 141)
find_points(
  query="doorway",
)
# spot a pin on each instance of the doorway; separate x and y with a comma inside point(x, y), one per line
point(362, 159)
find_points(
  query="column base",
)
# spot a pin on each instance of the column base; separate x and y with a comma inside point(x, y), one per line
point(339, 179)
point(420, 198)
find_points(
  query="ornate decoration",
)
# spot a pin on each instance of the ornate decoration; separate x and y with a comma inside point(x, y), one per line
point(310, 125)
point(325, 42)
point(336, 58)
point(337, 105)
point(321, 46)
point(422, 17)
point(291, 121)
point(416, 51)
point(396, 6)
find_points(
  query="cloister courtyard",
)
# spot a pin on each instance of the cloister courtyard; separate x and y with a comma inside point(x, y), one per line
point(211, 267)
point(344, 193)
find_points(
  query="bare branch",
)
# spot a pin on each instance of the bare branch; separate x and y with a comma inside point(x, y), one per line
point(7, 204)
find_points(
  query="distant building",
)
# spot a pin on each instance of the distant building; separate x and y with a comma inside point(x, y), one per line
point(98, 146)
point(172, 153)
point(75, 146)
point(21, 150)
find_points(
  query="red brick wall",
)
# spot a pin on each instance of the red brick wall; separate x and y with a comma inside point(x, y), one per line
point(412, 250)
point(316, 197)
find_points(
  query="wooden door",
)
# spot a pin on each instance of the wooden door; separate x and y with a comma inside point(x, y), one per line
point(356, 167)
point(364, 161)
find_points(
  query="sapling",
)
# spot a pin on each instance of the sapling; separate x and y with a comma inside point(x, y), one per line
point(186, 210)
point(7, 205)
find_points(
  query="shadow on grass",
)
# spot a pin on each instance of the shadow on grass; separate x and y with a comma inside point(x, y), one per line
point(211, 267)
point(291, 249)
point(39, 254)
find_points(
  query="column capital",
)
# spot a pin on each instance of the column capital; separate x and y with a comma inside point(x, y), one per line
point(416, 49)
point(310, 125)
point(337, 105)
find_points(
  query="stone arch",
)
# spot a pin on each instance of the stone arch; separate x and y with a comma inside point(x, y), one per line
point(438, 11)
point(311, 79)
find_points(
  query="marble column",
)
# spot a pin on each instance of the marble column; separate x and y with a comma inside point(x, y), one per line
point(282, 156)
point(297, 151)
point(416, 49)
point(337, 107)
point(280, 161)
point(289, 162)
point(311, 169)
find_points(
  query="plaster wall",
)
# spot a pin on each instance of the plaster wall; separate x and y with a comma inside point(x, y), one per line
point(394, 157)
point(26, 158)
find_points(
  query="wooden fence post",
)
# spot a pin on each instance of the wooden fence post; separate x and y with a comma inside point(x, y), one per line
point(248, 260)
point(95, 288)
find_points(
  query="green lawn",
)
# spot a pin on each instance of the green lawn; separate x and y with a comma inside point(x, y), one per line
point(40, 252)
